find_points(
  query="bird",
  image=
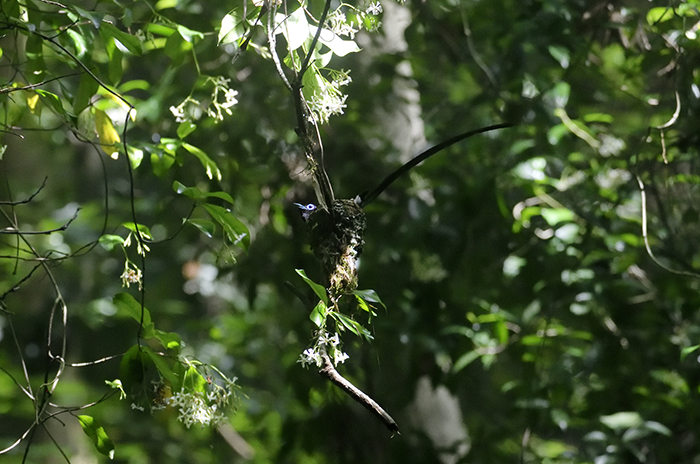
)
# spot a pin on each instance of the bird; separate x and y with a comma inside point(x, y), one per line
point(336, 227)
point(306, 210)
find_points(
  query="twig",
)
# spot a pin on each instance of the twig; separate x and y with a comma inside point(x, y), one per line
point(27, 200)
point(307, 58)
point(355, 393)
point(14, 231)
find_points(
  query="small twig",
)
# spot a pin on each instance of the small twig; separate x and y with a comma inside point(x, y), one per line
point(16, 286)
point(355, 393)
point(27, 200)
point(14, 231)
point(272, 42)
point(307, 58)
point(34, 86)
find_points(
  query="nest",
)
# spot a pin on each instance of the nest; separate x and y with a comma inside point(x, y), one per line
point(337, 237)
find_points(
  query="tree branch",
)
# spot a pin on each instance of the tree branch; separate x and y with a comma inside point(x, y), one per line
point(355, 393)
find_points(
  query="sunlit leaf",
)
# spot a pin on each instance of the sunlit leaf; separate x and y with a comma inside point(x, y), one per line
point(109, 241)
point(97, 434)
point(622, 420)
point(235, 230)
point(197, 194)
point(232, 26)
point(465, 360)
point(107, 134)
point(128, 305)
point(185, 129)
point(318, 315)
point(295, 28)
point(206, 227)
point(135, 156)
point(212, 169)
point(318, 289)
point(127, 41)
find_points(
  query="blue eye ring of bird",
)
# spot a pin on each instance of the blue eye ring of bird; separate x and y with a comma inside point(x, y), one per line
point(306, 210)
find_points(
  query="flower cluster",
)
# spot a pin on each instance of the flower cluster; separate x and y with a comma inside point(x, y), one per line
point(330, 345)
point(191, 109)
point(131, 275)
point(214, 110)
point(329, 100)
point(340, 24)
point(194, 408)
point(206, 407)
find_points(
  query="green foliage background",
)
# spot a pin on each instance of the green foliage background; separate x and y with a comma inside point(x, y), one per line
point(546, 275)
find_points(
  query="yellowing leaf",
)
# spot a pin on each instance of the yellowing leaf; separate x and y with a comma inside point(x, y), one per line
point(107, 134)
point(31, 101)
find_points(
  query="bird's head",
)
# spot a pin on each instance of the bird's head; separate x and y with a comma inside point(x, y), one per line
point(306, 210)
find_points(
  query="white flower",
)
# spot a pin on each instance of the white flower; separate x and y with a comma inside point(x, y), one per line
point(231, 100)
point(131, 275)
point(339, 357)
point(374, 8)
point(179, 113)
point(310, 356)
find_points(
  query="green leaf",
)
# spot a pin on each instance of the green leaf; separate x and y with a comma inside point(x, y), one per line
point(465, 360)
point(235, 230)
point(368, 296)
point(97, 434)
point(318, 315)
point(94, 17)
point(161, 163)
point(198, 195)
point(560, 54)
point(295, 28)
point(135, 156)
point(206, 227)
point(108, 241)
point(79, 42)
point(176, 47)
point(318, 289)
point(232, 26)
point(687, 350)
point(210, 166)
point(133, 308)
point(115, 71)
point(124, 41)
point(185, 129)
point(352, 325)
point(622, 420)
point(188, 34)
point(659, 15)
point(194, 381)
point(340, 47)
point(554, 216)
point(52, 99)
point(169, 340)
point(86, 90)
point(162, 366)
point(145, 231)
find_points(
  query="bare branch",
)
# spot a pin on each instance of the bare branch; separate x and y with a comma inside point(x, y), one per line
point(27, 200)
point(15, 231)
point(355, 393)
